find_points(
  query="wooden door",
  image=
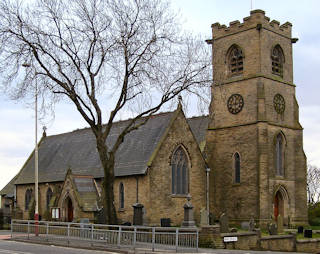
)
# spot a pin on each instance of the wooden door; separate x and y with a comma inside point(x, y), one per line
point(276, 206)
point(70, 210)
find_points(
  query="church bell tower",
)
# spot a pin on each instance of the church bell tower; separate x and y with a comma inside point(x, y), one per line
point(254, 139)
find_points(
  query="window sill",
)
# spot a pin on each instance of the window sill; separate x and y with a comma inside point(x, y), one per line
point(121, 210)
point(277, 177)
point(179, 195)
point(236, 184)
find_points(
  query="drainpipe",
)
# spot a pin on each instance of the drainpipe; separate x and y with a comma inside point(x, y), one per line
point(207, 194)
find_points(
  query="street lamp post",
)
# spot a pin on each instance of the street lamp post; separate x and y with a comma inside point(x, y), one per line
point(36, 160)
point(36, 163)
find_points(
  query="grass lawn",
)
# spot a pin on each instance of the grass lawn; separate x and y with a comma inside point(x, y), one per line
point(300, 236)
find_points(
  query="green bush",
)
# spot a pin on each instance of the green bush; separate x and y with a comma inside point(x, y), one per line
point(314, 214)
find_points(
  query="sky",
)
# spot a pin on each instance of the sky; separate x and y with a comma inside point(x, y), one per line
point(17, 118)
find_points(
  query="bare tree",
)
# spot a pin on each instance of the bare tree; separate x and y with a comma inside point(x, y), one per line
point(313, 184)
point(87, 50)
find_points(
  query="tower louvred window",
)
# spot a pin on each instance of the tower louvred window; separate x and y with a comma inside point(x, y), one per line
point(235, 60)
point(277, 60)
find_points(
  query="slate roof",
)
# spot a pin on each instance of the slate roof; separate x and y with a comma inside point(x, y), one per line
point(8, 190)
point(77, 150)
point(87, 192)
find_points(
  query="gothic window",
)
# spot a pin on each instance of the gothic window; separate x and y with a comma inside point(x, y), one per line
point(27, 199)
point(235, 60)
point(121, 196)
point(277, 58)
point(179, 172)
point(279, 155)
point(236, 158)
point(49, 196)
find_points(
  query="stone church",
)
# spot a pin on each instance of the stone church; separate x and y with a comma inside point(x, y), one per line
point(245, 159)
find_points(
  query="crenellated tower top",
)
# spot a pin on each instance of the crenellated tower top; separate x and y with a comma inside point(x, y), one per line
point(257, 19)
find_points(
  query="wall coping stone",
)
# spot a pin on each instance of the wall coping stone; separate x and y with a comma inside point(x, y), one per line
point(277, 237)
point(308, 240)
point(238, 234)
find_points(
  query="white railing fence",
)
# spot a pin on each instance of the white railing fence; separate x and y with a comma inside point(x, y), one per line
point(115, 235)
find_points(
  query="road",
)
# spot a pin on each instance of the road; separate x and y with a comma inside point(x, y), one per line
point(12, 247)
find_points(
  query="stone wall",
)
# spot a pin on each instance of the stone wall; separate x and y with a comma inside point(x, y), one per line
point(43, 187)
point(162, 203)
point(278, 243)
point(309, 246)
point(246, 241)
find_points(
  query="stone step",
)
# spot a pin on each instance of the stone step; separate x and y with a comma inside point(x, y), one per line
point(218, 242)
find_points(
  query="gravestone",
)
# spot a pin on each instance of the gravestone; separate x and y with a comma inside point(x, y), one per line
point(165, 222)
point(224, 223)
point(308, 233)
point(272, 229)
point(204, 220)
point(188, 221)
point(245, 225)
point(280, 224)
point(211, 218)
point(251, 224)
point(300, 230)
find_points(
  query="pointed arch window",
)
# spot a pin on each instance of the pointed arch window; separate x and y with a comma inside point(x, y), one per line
point(279, 155)
point(237, 168)
point(28, 196)
point(180, 172)
point(277, 58)
point(121, 196)
point(235, 60)
point(48, 196)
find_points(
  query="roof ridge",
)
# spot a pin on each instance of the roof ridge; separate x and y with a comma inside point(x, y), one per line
point(193, 117)
point(117, 122)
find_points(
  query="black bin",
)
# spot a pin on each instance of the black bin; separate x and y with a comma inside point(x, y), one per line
point(300, 230)
point(165, 222)
point(308, 233)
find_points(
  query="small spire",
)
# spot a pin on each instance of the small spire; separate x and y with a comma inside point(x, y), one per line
point(44, 134)
point(180, 101)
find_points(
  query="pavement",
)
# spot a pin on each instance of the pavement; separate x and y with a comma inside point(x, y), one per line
point(100, 247)
point(5, 234)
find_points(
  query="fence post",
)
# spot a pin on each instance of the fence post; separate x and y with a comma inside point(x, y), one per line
point(197, 241)
point(177, 239)
point(11, 228)
point(91, 232)
point(153, 238)
point(28, 229)
point(134, 237)
point(119, 237)
point(47, 231)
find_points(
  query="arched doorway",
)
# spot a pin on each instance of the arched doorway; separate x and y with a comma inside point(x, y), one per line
point(278, 205)
point(281, 204)
point(68, 207)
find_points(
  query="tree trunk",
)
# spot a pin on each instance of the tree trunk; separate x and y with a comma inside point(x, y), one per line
point(107, 161)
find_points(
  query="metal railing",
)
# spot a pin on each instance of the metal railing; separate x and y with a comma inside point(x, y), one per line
point(114, 235)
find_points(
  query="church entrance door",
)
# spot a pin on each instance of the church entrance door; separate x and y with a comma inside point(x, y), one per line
point(69, 210)
point(278, 205)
